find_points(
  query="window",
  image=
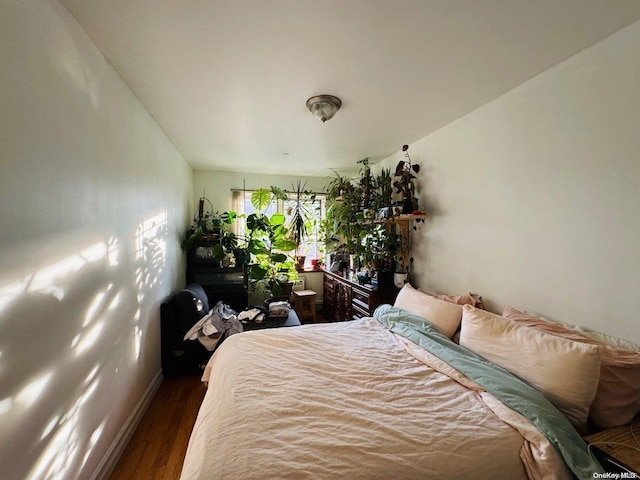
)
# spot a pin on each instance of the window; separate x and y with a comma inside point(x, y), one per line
point(312, 247)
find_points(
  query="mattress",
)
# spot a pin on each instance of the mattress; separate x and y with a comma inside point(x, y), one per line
point(354, 400)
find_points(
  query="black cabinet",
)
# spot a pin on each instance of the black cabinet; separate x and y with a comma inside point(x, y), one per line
point(179, 357)
point(220, 283)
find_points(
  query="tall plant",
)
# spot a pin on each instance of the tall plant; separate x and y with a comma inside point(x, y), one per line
point(300, 218)
point(404, 184)
point(268, 244)
point(341, 224)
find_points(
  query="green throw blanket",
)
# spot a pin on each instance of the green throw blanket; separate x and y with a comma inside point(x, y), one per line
point(510, 390)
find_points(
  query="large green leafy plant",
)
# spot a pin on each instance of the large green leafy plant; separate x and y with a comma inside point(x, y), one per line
point(268, 244)
point(300, 218)
point(340, 226)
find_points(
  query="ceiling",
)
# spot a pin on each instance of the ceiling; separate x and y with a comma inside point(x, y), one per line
point(227, 80)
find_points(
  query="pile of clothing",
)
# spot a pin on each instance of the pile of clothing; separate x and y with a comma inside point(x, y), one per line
point(253, 314)
point(220, 322)
point(279, 309)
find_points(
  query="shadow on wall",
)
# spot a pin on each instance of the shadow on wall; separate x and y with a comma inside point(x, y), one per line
point(71, 336)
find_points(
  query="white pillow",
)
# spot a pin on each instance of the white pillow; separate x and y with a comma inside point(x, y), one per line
point(445, 316)
point(566, 372)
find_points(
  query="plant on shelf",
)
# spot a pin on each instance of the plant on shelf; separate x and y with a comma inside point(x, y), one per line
point(383, 193)
point(366, 183)
point(404, 184)
point(300, 218)
point(378, 247)
point(207, 226)
point(341, 224)
point(337, 187)
point(268, 244)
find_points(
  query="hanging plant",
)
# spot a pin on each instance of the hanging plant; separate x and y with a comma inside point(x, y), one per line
point(404, 185)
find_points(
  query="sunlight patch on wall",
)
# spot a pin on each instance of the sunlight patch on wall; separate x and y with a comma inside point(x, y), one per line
point(6, 404)
point(50, 279)
point(94, 252)
point(113, 251)
point(137, 342)
point(93, 308)
point(83, 342)
point(151, 249)
point(11, 291)
point(59, 458)
point(92, 374)
point(95, 436)
point(50, 426)
point(29, 394)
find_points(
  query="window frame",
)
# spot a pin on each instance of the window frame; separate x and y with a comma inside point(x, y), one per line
point(241, 198)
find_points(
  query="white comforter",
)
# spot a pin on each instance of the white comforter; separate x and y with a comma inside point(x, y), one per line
point(353, 401)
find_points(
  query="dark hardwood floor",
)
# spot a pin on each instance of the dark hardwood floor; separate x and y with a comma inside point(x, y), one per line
point(156, 450)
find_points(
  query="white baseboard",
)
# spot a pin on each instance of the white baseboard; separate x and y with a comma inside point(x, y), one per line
point(115, 451)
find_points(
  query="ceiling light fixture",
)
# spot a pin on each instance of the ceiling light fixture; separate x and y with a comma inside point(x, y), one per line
point(324, 107)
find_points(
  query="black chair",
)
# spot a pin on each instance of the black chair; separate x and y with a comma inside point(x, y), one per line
point(177, 315)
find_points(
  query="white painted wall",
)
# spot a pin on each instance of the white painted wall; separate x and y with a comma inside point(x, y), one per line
point(534, 198)
point(94, 199)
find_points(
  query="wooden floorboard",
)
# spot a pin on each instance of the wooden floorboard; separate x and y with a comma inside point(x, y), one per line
point(157, 448)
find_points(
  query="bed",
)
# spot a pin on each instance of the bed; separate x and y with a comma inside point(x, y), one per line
point(390, 397)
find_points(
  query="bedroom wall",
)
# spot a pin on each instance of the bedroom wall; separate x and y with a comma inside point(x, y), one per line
point(94, 198)
point(533, 198)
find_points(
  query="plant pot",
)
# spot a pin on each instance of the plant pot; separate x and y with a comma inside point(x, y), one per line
point(240, 256)
point(399, 279)
point(300, 259)
point(385, 279)
point(407, 205)
point(287, 288)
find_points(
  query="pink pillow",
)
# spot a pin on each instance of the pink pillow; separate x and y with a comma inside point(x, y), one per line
point(471, 299)
point(566, 372)
point(617, 399)
point(444, 315)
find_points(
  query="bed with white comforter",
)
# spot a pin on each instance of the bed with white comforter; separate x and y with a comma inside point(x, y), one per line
point(354, 400)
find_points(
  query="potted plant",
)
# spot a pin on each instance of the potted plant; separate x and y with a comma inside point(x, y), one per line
point(401, 273)
point(378, 247)
point(300, 219)
point(383, 194)
point(337, 187)
point(210, 226)
point(366, 183)
point(343, 217)
point(268, 244)
point(404, 184)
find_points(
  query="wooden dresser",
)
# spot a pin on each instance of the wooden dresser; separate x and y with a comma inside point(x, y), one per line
point(347, 300)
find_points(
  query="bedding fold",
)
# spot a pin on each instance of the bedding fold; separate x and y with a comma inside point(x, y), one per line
point(505, 387)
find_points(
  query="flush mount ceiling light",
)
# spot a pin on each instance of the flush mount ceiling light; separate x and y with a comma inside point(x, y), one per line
point(324, 107)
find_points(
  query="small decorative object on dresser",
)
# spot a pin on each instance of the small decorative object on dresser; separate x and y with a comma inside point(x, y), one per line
point(399, 279)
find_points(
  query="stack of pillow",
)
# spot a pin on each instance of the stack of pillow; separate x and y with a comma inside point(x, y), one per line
point(588, 376)
point(617, 397)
